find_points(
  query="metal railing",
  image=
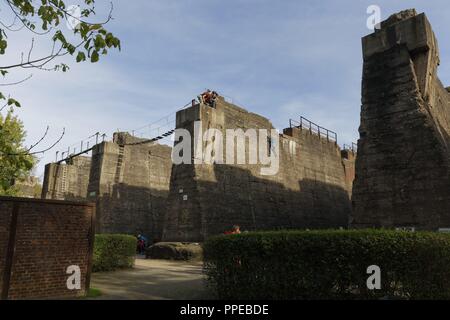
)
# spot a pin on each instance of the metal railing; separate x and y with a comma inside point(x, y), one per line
point(353, 147)
point(85, 146)
point(314, 128)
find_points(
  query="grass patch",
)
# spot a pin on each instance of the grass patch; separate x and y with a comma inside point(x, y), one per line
point(93, 293)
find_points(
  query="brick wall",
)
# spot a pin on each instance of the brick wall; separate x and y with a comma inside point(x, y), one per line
point(39, 239)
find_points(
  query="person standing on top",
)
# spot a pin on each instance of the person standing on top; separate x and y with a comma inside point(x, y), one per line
point(209, 98)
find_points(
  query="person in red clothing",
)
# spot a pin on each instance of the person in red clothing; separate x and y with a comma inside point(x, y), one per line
point(141, 244)
point(235, 230)
point(209, 98)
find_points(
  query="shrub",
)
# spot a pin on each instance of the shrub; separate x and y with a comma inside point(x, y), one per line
point(328, 264)
point(113, 251)
point(174, 251)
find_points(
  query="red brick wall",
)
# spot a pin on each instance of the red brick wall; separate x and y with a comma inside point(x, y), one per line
point(48, 237)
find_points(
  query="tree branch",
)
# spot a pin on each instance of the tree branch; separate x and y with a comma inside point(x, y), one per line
point(24, 19)
point(14, 83)
point(27, 152)
point(83, 21)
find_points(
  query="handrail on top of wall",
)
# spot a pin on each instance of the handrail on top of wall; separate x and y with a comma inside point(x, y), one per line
point(312, 127)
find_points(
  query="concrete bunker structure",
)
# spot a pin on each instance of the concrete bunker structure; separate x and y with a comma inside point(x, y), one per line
point(311, 189)
point(403, 164)
point(67, 181)
point(137, 188)
point(128, 179)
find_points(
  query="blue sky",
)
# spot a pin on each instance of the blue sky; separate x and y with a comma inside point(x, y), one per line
point(281, 59)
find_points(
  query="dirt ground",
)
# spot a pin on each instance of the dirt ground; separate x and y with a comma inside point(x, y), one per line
point(153, 280)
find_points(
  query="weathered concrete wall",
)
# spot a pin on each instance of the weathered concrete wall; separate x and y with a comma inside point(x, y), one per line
point(39, 240)
point(348, 160)
point(310, 189)
point(67, 181)
point(130, 181)
point(403, 163)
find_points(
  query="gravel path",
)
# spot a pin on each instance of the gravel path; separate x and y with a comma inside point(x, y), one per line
point(153, 280)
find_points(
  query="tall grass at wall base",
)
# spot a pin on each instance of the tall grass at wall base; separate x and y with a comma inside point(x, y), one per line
point(113, 251)
point(328, 264)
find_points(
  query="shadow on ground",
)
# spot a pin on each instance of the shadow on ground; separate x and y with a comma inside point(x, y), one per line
point(154, 280)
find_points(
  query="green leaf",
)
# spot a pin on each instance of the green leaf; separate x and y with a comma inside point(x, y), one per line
point(94, 56)
point(99, 42)
point(12, 101)
point(81, 56)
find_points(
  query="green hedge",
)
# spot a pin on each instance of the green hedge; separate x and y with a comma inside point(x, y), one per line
point(328, 264)
point(113, 251)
